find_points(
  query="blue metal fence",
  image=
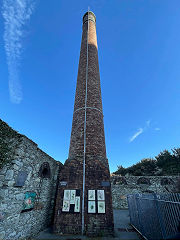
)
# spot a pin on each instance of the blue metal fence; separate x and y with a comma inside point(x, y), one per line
point(155, 216)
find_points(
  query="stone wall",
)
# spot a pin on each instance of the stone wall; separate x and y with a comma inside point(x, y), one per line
point(36, 172)
point(122, 186)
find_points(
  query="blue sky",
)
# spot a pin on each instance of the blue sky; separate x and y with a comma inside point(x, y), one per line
point(139, 59)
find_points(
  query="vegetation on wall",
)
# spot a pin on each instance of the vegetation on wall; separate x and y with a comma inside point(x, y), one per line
point(9, 139)
point(165, 163)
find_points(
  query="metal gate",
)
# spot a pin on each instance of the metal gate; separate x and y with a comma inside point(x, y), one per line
point(155, 216)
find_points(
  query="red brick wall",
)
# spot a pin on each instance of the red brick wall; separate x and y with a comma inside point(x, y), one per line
point(97, 168)
point(95, 141)
point(97, 223)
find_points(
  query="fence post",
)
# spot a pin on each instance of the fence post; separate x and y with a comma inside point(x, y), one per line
point(129, 207)
point(137, 197)
point(160, 217)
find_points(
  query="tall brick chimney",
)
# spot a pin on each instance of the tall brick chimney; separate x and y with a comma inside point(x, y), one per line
point(85, 179)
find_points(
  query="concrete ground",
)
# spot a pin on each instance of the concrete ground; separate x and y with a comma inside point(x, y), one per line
point(122, 229)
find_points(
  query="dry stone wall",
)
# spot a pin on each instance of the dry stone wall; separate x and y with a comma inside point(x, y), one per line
point(122, 186)
point(37, 173)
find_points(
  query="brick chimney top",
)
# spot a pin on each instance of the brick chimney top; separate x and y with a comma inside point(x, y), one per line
point(89, 15)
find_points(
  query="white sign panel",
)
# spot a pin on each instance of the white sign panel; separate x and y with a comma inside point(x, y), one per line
point(100, 195)
point(101, 206)
point(66, 206)
point(77, 204)
point(66, 194)
point(91, 207)
point(91, 195)
point(73, 195)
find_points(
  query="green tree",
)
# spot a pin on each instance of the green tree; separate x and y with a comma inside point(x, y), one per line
point(165, 163)
point(168, 162)
point(121, 170)
point(163, 158)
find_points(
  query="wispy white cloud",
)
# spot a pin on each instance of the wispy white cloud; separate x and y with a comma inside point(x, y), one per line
point(16, 13)
point(139, 131)
point(142, 130)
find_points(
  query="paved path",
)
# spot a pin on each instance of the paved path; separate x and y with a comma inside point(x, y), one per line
point(122, 230)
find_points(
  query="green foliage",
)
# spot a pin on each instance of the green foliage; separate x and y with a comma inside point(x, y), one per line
point(8, 141)
point(169, 163)
point(122, 170)
point(164, 163)
point(163, 158)
point(144, 167)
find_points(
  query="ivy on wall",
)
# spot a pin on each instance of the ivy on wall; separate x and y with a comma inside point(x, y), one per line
point(9, 139)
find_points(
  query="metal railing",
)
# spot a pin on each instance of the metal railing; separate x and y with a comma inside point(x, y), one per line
point(155, 216)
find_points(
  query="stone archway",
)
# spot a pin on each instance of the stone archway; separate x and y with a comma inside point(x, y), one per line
point(44, 171)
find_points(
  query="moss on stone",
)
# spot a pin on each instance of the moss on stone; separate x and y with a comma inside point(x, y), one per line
point(9, 139)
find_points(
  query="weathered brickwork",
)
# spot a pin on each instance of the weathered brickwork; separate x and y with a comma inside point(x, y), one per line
point(95, 126)
point(72, 173)
point(38, 166)
point(122, 186)
point(96, 168)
